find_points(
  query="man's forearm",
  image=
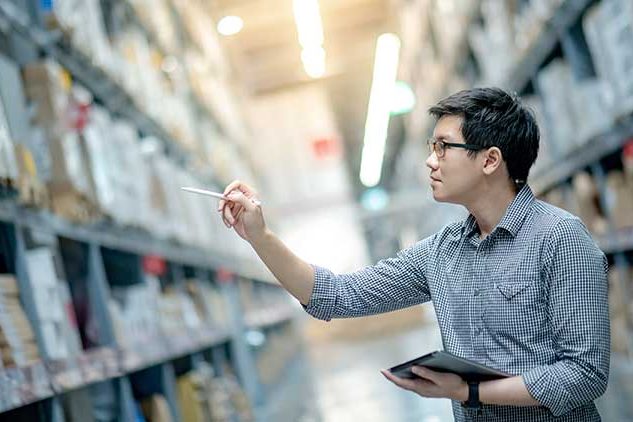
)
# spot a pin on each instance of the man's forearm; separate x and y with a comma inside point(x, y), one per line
point(508, 391)
point(294, 274)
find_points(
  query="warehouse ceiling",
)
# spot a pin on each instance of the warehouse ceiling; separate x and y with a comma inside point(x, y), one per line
point(267, 56)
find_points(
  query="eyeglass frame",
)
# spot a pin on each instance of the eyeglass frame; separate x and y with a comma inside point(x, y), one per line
point(431, 142)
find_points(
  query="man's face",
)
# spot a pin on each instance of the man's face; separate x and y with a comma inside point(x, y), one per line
point(455, 176)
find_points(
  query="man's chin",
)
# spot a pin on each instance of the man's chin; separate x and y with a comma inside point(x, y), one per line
point(439, 197)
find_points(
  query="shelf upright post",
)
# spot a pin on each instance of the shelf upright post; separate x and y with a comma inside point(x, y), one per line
point(168, 378)
point(99, 292)
point(218, 353)
point(244, 358)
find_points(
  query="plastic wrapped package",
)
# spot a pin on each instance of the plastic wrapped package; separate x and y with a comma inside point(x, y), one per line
point(157, 16)
point(556, 88)
point(102, 158)
point(8, 168)
point(17, 340)
point(608, 27)
point(593, 105)
point(493, 44)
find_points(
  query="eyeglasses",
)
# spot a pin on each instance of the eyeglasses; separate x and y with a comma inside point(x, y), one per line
point(439, 147)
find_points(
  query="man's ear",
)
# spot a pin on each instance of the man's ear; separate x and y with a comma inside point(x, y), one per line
point(492, 159)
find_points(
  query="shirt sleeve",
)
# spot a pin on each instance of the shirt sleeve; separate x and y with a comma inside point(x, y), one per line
point(391, 284)
point(575, 270)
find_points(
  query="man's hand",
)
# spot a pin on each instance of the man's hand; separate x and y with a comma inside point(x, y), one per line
point(432, 384)
point(242, 211)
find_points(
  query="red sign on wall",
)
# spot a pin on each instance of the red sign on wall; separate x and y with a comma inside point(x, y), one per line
point(326, 147)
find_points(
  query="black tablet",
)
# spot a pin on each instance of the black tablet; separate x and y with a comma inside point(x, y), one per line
point(442, 361)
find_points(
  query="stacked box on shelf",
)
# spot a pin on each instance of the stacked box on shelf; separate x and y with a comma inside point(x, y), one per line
point(209, 303)
point(61, 111)
point(492, 43)
point(28, 164)
point(134, 310)
point(531, 20)
point(156, 409)
point(587, 203)
point(8, 168)
point(608, 27)
point(17, 341)
point(620, 200)
point(58, 338)
point(205, 397)
point(162, 95)
point(156, 15)
point(556, 87)
point(83, 21)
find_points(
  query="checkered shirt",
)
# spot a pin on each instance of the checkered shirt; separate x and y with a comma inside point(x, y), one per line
point(530, 299)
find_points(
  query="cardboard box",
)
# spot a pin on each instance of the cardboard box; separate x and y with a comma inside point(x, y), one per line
point(8, 285)
point(156, 409)
point(621, 200)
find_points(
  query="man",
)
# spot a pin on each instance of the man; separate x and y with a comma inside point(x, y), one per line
point(519, 285)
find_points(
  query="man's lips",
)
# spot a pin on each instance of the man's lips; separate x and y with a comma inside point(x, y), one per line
point(433, 179)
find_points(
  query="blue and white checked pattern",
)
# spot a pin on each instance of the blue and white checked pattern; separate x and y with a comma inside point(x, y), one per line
point(530, 299)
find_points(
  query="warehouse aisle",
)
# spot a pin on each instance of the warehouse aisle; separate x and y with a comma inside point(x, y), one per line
point(349, 386)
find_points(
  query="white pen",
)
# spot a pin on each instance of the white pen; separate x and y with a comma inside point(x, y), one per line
point(214, 194)
point(204, 192)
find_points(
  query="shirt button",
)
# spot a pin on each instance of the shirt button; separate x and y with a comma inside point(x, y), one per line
point(476, 293)
point(477, 331)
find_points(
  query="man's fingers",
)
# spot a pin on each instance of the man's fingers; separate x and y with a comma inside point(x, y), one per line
point(407, 384)
point(426, 373)
point(227, 216)
point(241, 199)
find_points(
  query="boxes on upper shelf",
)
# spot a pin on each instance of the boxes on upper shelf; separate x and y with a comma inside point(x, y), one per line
point(492, 43)
point(61, 111)
point(608, 27)
point(556, 86)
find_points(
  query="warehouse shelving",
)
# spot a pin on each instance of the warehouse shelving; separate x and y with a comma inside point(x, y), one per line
point(101, 85)
point(130, 240)
point(522, 73)
point(41, 380)
point(110, 363)
point(591, 152)
point(616, 241)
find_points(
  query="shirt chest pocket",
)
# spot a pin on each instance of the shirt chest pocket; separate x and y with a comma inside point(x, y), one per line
point(514, 303)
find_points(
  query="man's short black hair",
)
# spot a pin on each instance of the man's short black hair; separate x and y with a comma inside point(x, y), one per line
point(492, 117)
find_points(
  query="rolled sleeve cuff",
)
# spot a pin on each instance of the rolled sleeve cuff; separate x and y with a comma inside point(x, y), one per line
point(321, 304)
point(541, 383)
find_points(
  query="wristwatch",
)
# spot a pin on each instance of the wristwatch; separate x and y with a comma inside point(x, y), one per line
point(473, 396)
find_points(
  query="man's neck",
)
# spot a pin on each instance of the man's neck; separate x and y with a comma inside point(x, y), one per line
point(489, 207)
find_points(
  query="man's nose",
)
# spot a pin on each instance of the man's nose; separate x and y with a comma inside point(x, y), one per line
point(431, 161)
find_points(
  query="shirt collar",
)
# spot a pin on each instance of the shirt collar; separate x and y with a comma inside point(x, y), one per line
point(513, 218)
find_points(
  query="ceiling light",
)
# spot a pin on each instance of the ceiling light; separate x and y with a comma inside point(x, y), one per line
point(402, 99)
point(310, 33)
point(308, 21)
point(314, 61)
point(377, 123)
point(230, 25)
